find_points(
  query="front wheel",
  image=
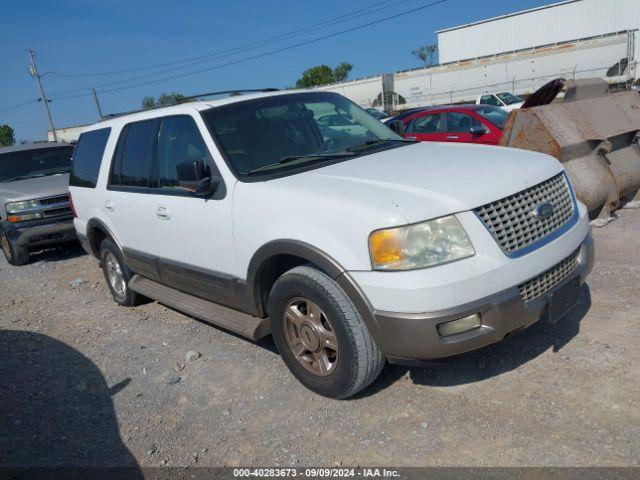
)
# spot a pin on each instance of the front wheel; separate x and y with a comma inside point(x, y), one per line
point(15, 254)
point(320, 334)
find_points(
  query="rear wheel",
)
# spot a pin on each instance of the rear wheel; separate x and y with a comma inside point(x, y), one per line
point(15, 254)
point(320, 334)
point(117, 275)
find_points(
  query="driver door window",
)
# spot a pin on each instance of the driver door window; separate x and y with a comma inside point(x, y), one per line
point(180, 141)
point(491, 100)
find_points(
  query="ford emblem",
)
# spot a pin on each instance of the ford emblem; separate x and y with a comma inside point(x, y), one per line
point(543, 211)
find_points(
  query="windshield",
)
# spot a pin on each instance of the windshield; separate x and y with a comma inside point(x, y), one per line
point(495, 115)
point(39, 162)
point(284, 131)
point(509, 98)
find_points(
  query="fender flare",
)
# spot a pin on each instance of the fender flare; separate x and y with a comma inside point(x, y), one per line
point(94, 224)
point(323, 261)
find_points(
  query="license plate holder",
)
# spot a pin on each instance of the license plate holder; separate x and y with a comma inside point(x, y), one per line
point(563, 300)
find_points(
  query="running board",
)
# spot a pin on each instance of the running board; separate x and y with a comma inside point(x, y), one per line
point(243, 324)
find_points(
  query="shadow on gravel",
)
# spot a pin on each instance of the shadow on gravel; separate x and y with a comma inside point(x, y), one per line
point(55, 253)
point(56, 409)
point(495, 359)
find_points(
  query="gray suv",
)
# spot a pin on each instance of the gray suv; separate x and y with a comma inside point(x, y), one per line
point(34, 198)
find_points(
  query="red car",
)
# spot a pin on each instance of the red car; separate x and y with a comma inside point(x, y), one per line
point(460, 123)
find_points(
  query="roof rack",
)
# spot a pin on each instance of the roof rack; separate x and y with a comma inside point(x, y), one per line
point(227, 92)
point(190, 98)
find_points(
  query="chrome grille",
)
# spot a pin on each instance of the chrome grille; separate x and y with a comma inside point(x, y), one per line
point(511, 221)
point(537, 286)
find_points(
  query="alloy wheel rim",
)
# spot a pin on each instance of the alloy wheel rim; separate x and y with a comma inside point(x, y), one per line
point(115, 275)
point(310, 336)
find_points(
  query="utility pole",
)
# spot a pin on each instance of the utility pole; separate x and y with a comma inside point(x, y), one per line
point(95, 97)
point(34, 72)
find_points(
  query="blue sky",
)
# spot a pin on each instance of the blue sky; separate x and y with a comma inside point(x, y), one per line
point(89, 36)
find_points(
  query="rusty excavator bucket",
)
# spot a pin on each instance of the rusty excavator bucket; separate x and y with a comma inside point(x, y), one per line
point(596, 136)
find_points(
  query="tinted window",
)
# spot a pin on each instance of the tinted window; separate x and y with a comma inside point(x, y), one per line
point(87, 158)
point(461, 122)
point(39, 162)
point(132, 163)
point(490, 100)
point(426, 124)
point(180, 141)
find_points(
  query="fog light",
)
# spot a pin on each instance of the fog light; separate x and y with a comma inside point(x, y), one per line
point(460, 325)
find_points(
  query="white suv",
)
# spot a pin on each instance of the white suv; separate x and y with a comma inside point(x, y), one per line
point(349, 248)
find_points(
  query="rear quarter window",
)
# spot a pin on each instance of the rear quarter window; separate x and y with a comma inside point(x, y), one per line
point(87, 158)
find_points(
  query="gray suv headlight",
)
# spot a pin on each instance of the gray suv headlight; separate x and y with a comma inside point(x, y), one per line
point(420, 245)
point(17, 207)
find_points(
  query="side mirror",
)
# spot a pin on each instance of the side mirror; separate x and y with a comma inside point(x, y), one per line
point(397, 126)
point(195, 177)
point(478, 130)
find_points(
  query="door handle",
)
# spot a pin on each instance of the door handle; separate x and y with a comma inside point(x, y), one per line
point(452, 137)
point(163, 213)
point(108, 205)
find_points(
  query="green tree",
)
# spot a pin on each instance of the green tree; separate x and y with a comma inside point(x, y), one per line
point(163, 100)
point(427, 54)
point(323, 74)
point(341, 72)
point(7, 137)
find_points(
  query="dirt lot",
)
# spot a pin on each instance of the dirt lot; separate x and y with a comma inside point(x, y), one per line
point(85, 382)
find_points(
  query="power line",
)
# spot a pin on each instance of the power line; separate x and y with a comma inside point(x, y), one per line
point(13, 107)
point(264, 54)
point(233, 51)
point(268, 40)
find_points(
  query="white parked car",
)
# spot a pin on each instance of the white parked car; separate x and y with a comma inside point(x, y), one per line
point(350, 253)
point(504, 100)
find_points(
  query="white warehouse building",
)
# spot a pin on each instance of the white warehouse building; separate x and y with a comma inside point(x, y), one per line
point(546, 25)
point(518, 53)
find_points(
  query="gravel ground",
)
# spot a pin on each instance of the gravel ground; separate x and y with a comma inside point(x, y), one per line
point(86, 382)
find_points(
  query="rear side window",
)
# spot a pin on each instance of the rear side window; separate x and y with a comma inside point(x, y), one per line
point(87, 158)
point(426, 124)
point(134, 154)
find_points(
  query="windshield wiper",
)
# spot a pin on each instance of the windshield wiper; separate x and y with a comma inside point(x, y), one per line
point(292, 158)
point(379, 141)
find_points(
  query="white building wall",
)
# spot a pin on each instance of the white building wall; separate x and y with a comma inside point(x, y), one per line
point(550, 24)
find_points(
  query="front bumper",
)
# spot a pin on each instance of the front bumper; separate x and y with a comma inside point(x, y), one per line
point(40, 232)
point(407, 337)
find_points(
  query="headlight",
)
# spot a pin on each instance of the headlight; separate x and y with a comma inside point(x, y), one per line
point(420, 245)
point(17, 207)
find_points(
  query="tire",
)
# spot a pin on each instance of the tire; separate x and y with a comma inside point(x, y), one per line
point(111, 258)
point(353, 365)
point(15, 254)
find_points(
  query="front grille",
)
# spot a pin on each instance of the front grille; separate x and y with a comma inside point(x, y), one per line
point(511, 221)
point(52, 200)
point(537, 286)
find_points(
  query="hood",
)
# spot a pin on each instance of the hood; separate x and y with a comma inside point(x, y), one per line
point(427, 180)
point(33, 188)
